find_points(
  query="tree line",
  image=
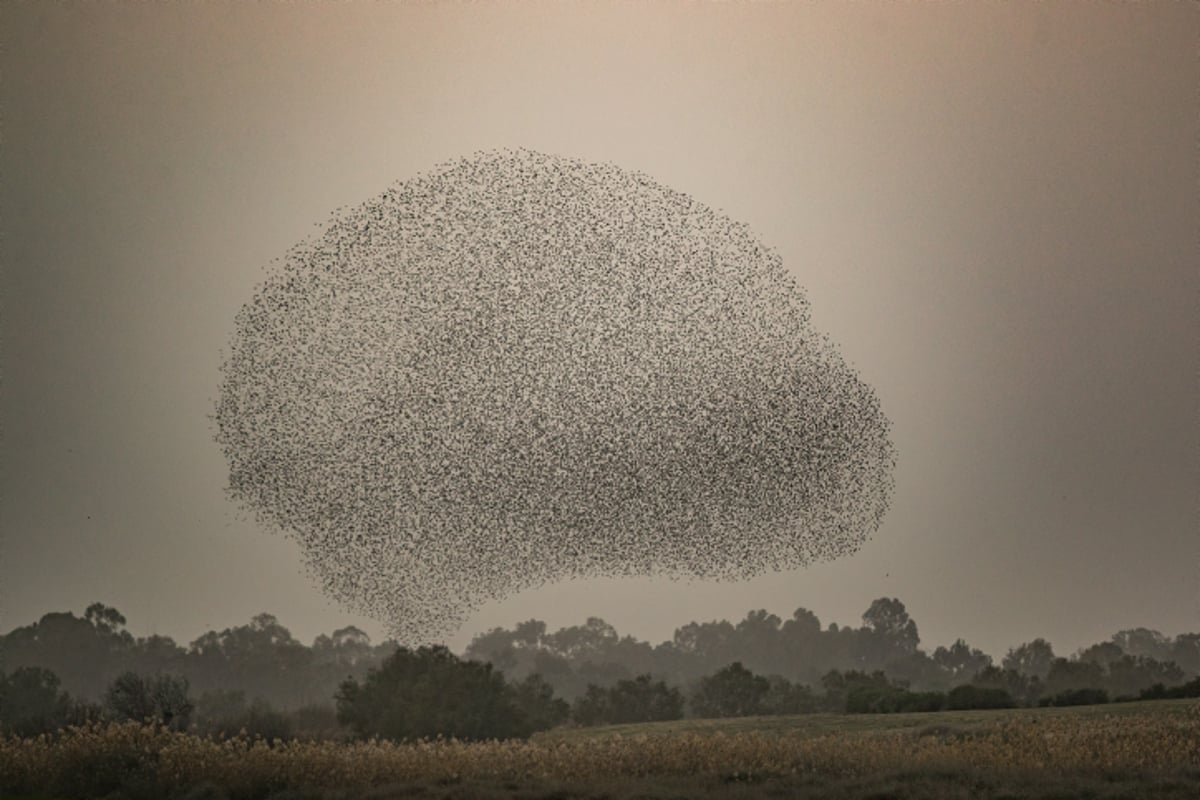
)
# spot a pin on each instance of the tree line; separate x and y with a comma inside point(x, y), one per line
point(259, 679)
point(803, 652)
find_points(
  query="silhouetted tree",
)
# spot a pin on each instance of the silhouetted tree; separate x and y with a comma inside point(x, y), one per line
point(888, 633)
point(535, 699)
point(1143, 642)
point(1185, 651)
point(430, 692)
point(731, 692)
point(960, 662)
point(1127, 676)
point(162, 698)
point(1032, 658)
point(32, 702)
point(588, 641)
point(86, 653)
point(1103, 653)
point(262, 658)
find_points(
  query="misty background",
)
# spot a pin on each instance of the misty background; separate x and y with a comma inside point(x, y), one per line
point(992, 210)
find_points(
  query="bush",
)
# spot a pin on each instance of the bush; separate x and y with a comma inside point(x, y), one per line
point(592, 708)
point(731, 692)
point(838, 686)
point(536, 701)
point(923, 701)
point(639, 700)
point(163, 698)
point(1161, 692)
point(1076, 697)
point(891, 700)
point(786, 697)
point(968, 696)
point(430, 692)
point(32, 703)
point(1024, 689)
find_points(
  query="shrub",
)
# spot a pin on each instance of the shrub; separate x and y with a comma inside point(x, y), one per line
point(536, 701)
point(430, 692)
point(639, 700)
point(1160, 692)
point(1076, 697)
point(163, 698)
point(1024, 689)
point(731, 692)
point(891, 700)
point(32, 703)
point(786, 697)
point(968, 696)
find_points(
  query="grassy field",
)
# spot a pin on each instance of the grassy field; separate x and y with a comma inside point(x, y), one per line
point(1131, 751)
point(812, 725)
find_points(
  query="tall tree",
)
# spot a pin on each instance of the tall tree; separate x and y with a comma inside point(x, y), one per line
point(1032, 658)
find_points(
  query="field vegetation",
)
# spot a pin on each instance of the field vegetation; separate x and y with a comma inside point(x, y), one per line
point(1134, 750)
point(763, 708)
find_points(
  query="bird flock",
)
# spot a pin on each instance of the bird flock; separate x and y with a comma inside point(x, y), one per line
point(520, 368)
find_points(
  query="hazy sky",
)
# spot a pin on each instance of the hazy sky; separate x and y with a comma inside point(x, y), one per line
point(992, 208)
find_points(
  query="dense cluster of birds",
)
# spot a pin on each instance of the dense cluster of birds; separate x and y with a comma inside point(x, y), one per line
point(521, 368)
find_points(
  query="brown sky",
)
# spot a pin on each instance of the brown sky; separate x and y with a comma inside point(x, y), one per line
point(993, 209)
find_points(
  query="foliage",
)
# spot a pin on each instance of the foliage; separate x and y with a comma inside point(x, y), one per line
point(838, 685)
point(1032, 658)
point(968, 696)
point(264, 661)
point(641, 699)
point(430, 692)
point(1160, 692)
point(1024, 689)
point(891, 700)
point(785, 697)
point(888, 632)
point(731, 692)
point(161, 698)
point(959, 662)
point(261, 658)
point(31, 702)
point(535, 700)
point(1076, 697)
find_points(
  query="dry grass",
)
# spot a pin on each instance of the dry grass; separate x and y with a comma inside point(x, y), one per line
point(1152, 743)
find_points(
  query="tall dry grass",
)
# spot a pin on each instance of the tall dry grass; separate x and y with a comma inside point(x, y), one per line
point(148, 761)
